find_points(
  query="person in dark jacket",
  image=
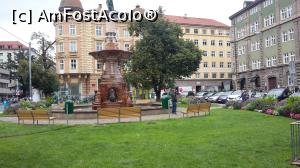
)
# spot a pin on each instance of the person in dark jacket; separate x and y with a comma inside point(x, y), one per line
point(174, 101)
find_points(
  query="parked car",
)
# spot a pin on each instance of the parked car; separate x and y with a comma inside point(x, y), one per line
point(223, 99)
point(279, 94)
point(208, 95)
point(296, 94)
point(236, 95)
point(214, 98)
point(201, 94)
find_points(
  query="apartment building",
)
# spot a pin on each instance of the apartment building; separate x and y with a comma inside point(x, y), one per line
point(265, 44)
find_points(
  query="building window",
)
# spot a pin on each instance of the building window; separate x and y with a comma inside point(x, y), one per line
point(1, 54)
point(73, 64)
point(230, 76)
point(196, 31)
point(61, 65)
point(213, 53)
point(221, 32)
point(205, 53)
point(60, 30)
point(73, 46)
point(197, 75)
point(268, 62)
point(204, 42)
point(99, 65)
point(286, 13)
point(253, 10)
point(126, 47)
point(229, 64)
point(267, 3)
point(187, 30)
point(228, 53)
point(213, 64)
point(228, 44)
point(196, 42)
point(98, 31)
point(204, 31)
point(214, 75)
point(269, 20)
point(72, 30)
point(254, 65)
point(221, 54)
point(254, 27)
point(205, 64)
point(292, 56)
point(126, 33)
point(222, 75)
point(212, 42)
point(286, 58)
point(291, 34)
point(285, 36)
point(205, 75)
point(99, 46)
point(241, 50)
point(274, 61)
point(221, 64)
point(61, 47)
point(221, 43)
point(212, 32)
point(270, 41)
point(255, 46)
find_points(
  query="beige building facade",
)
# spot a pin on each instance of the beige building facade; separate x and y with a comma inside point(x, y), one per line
point(79, 73)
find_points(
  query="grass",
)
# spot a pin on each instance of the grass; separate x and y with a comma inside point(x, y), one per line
point(225, 139)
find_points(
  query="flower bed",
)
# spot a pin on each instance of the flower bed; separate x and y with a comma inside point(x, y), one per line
point(288, 108)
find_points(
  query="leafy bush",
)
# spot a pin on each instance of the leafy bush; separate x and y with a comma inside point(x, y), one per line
point(237, 105)
point(251, 106)
point(24, 104)
point(10, 111)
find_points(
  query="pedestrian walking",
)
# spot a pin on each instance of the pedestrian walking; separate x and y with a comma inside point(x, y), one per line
point(174, 102)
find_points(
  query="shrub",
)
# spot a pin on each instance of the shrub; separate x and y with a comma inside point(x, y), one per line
point(24, 104)
point(266, 103)
point(251, 106)
point(237, 105)
point(10, 111)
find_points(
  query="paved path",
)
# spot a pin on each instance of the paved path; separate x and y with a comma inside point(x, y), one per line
point(105, 121)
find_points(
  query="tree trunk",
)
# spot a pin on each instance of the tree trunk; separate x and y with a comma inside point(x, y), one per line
point(157, 93)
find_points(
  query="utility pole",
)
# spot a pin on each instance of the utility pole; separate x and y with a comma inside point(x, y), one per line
point(30, 84)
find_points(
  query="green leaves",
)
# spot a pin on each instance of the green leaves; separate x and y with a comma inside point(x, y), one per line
point(161, 56)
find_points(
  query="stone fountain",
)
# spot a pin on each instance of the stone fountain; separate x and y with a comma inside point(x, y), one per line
point(112, 90)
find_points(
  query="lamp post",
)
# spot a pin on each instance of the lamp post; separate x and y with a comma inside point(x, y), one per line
point(29, 64)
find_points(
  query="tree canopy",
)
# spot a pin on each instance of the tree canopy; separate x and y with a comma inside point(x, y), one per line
point(161, 55)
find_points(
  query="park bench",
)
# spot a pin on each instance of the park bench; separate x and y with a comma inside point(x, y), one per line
point(24, 115)
point(197, 109)
point(118, 113)
point(42, 115)
point(108, 113)
point(128, 112)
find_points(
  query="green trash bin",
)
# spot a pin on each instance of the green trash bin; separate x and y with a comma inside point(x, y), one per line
point(165, 102)
point(69, 107)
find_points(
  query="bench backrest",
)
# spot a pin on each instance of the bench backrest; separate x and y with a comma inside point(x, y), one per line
point(40, 114)
point(108, 113)
point(204, 107)
point(126, 112)
point(193, 108)
point(24, 114)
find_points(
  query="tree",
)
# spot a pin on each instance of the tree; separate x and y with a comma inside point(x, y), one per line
point(44, 50)
point(42, 79)
point(161, 55)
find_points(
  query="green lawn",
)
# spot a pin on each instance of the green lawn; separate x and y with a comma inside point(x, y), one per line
point(225, 139)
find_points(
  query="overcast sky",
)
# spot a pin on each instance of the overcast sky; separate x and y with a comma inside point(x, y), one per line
point(214, 9)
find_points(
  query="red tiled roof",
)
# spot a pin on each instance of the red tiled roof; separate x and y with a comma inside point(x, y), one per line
point(14, 45)
point(182, 20)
